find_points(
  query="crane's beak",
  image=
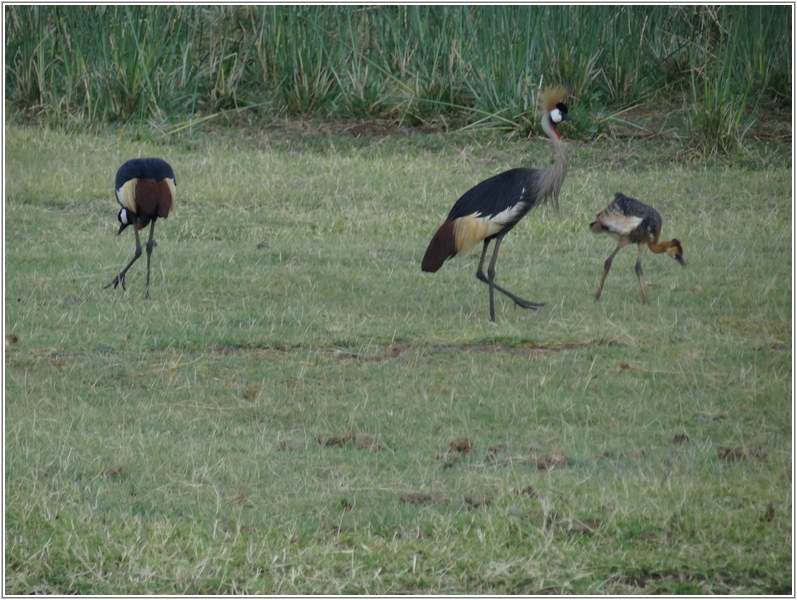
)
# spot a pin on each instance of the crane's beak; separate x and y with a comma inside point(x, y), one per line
point(122, 228)
point(680, 260)
point(568, 117)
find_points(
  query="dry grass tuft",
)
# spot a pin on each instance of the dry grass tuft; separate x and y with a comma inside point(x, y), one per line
point(734, 453)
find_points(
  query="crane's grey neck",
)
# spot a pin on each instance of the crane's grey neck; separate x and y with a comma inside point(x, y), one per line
point(551, 179)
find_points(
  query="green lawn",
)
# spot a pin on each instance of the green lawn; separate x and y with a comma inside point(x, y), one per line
point(186, 443)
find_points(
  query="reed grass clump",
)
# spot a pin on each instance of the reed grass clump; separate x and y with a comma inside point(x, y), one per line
point(75, 65)
point(721, 95)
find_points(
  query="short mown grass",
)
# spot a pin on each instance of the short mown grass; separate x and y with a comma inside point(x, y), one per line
point(185, 443)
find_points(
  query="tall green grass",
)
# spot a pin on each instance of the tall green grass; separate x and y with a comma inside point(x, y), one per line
point(87, 64)
point(735, 71)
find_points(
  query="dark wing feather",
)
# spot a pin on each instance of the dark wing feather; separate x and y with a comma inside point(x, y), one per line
point(650, 226)
point(633, 207)
point(144, 168)
point(497, 194)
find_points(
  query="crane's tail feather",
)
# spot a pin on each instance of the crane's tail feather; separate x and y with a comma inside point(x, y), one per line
point(442, 247)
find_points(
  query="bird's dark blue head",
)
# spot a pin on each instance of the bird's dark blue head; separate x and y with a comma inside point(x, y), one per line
point(126, 217)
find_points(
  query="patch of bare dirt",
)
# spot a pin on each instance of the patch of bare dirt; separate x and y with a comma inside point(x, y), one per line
point(680, 438)
point(112, 472)
point(462, 444)
point(350, 438)
point(291, 445)
point(476, 501)
point(424, 498)
point(736, 453)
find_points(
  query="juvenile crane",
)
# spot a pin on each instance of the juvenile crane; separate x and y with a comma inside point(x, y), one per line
point(145, 188)
point(490, 209)
point(630, 222)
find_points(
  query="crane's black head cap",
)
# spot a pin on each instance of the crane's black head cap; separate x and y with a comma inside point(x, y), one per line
point(146, 168)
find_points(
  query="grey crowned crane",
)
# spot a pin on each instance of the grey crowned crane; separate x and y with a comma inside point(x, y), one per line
point(490, 209)
point(629, 221)
point(145, 188)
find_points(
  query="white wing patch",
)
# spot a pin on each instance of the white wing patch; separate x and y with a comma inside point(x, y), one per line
point(472, 229)
point(126, 195)
point(620, 225)
point(505, 216)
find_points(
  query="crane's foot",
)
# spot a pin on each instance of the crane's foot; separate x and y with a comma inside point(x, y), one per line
point(116, 281)
point(526, 304)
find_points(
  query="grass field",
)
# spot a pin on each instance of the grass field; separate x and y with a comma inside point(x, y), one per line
point(278, 416)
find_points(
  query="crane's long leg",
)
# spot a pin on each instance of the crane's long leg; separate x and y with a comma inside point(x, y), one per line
point(490, 280)
point(120, 278)
point(150, 246)
point(480, 275)
point(608, 265)
point(638, 269)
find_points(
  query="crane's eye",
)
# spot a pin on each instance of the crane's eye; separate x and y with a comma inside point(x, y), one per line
point(556, 115)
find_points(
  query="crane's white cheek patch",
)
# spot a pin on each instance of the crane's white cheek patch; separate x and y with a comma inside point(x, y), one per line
point(556, 115)
point(126, 195)
point(123, 217)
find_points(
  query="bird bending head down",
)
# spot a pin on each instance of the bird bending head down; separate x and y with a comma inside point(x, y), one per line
point(145, 189)
point(629, 221)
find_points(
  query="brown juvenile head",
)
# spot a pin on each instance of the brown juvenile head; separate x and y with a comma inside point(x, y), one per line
point(675, 250)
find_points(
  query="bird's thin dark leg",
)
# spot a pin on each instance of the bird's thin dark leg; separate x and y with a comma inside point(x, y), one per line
point(491, 276)
point(638, 269)
point(150, 246)
point(606, 266)
point(120, 278)
point(490, 280)
point(480, 275)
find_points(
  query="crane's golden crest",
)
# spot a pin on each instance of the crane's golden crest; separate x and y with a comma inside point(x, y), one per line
point(551, 96)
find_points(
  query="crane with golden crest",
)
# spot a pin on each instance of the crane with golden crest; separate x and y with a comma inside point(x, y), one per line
point(490, 209)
